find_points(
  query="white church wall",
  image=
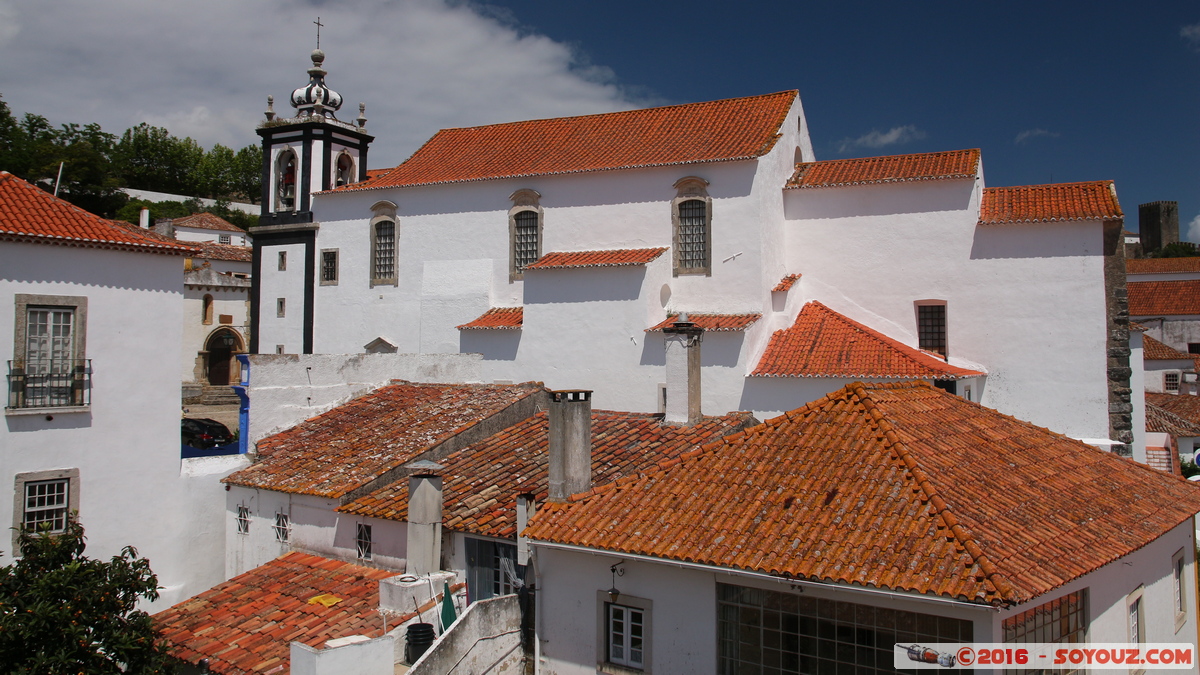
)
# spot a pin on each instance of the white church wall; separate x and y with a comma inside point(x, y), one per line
point(287, 284)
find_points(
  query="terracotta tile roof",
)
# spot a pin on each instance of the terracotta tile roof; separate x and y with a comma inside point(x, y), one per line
point(1135, 326)
point(482, 481)
point(212, 251)
point(957, 164)
point(899, 486)
point(1163, 298)
point(497, 318)
point(715, 131)
point(1096, 200)
point(712, 322)
point(28, 213)
point(361, 441)
point(567, 259)
point(247, 624)
point(1153, 350)
point(1186, 406)
point(207, 221)
point(823, 343)
point(1161, 265)
point(1163, 421)
point(786, 283)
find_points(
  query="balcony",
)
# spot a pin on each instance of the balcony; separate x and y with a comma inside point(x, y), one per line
point(55, 383)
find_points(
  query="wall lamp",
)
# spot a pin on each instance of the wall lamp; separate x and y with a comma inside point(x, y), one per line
point(617, 571)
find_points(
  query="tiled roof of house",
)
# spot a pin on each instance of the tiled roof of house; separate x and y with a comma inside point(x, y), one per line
point(823, 343)
point(1161, 420)
point(715, 131)
point(712, 322)
point(1183, 405)
point(566, 259)
point(361, 441)
point(786, 283)
point(497, 318)
point(481, 482)
point(1162, 265)
point(1153, 350)
point(247, 624)
point(28, 213)
point(207, 221)
point(1163, 298)
point(897, 486)
point(1096, 200)
point(212, 251)
point(957, 164)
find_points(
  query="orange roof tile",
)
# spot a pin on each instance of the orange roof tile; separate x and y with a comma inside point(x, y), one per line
point(1163, 298)
point(497, 318)
point(957, 164)
point(786, 283)
point(1161, 265)
point(482, 481)
point(1161, 420)
point(211, 251)
point(715, 131)
point(362, 441)
point(568, 259)
point(823, 343)
point(1186, 406)
point(712, 322)
point(1096, 200)
point(28, 213)
point(247, 624)
point(899, 486)
point(207, 221)
point(1153, 350)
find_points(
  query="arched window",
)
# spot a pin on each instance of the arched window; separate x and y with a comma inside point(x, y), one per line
point(383, 244)
point(691, 216)
point(206, 314)
point(285, 181)
point(345, 170)
point(524, 231)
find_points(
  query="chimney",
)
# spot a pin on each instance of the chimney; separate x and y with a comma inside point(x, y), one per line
point(570, 443)
point(424, 518)
point(1158, 225)
point(683, 372)
point(144, 218)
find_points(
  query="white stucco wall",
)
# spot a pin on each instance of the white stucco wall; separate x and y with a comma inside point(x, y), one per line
point(1137, 396)
point(204, 234)
point(286, 284)
point(234, 302)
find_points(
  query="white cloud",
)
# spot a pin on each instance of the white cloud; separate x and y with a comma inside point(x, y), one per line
point(880, 139)
point(1191, 34)
point(204, 69)
point(1028, 134)
point(1193, 230)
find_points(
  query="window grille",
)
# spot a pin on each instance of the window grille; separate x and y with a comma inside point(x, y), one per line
point(1171, 381)
point(49, 376)
point(525, 239)
point(626, 633)
point(1062, 620)
point(283, 528)
point(385, 250)
point(931, 328)
point(243, 519)
point(224, 239)
point(1137, 631)
point(329, 266)
point(693, 234)
point(46, 505)
point(363, 541)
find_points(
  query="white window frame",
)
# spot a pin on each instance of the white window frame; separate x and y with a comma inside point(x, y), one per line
point(1179, 588)
point(242, 519)
point(283, 527)
point(224, 239)
point(1171, 381)
point(691, 188)
point(606, 661)
point(70, 477)
point(524, 201)
point(363, 542)
point(384, 212)
point(77, 306)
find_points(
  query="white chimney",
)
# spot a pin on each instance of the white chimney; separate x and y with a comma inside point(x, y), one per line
point(144, 218)
point(424, 518)
point(683, 372)
point(570, 418)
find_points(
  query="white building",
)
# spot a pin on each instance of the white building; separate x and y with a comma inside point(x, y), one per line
point(92, 409)
point(200, 227)
point(216, 313)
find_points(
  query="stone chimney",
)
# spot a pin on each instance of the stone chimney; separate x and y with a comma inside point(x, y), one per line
point(424, 518)
point(570, 443)
point(144, 218)
point(1158, 225)
point(683, 372)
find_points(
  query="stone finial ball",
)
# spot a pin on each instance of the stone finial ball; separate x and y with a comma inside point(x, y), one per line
point(318, 57)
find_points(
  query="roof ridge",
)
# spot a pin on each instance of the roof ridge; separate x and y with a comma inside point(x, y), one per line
point(1107, 181)
point(1174, 417)
point(880, 157)
point(893, 441)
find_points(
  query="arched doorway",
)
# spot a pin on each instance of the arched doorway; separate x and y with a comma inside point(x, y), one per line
point(221, 347)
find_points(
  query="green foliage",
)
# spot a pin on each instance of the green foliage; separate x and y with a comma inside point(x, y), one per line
point(247, 173)
point(1179, 249)
point(61, 612)
point(1188, 469)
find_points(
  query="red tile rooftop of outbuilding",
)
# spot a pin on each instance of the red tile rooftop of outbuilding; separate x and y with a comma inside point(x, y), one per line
point(212, 251)
point(823, 343)
point(1153, 350)
point(483, 480)
point(1184, 405)
point(363, 439)
point(711, 322)
point(1163, 298)
point(956, 164)
point(1096, 200)
point(1161, 420)
point(28, 213)
point(1162, 265)
point(614, 258)
point(896, 486)
point(714, 131)
point(497, 318)
point(207, 221)
point(786, 283)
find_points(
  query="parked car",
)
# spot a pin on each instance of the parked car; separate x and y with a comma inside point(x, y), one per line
point(204, 433)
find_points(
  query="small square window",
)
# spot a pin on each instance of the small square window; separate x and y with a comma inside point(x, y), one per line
point(44, 501)
point(282, 261)
point(243, 519)
point(281, 307)
point(1171, 381)
point(279, 349)
point(1194, 347)
point(224, 239)
point(283, 528)
point(363, 541)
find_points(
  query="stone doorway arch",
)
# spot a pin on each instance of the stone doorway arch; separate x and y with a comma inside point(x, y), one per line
point(219, 351)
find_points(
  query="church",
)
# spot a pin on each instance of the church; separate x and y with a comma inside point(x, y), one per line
point(560, 249)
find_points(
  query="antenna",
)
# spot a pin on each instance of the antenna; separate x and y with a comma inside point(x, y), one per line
point(319, 24)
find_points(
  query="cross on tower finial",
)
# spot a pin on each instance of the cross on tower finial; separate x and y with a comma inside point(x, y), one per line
point(319, 24)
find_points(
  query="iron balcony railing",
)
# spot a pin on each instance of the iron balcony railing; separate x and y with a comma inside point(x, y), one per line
point(53, 383)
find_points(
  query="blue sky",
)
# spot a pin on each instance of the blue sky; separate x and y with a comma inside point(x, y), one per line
point(1062, 91)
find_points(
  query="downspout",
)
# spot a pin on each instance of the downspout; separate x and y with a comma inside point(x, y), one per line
point(242, 389)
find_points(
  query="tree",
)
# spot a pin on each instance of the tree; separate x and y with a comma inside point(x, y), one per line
point(1179, 249)
point(247, 173)
point(150, 158)
point(61, 612)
